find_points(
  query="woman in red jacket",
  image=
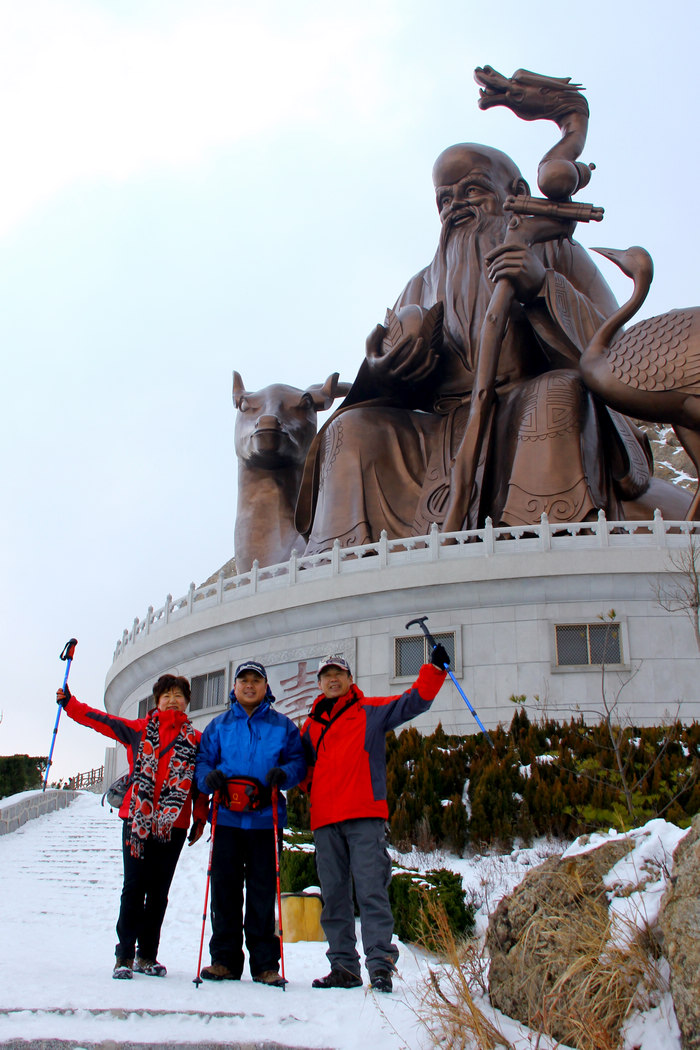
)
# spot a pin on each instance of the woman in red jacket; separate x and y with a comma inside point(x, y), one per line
point(156, 813)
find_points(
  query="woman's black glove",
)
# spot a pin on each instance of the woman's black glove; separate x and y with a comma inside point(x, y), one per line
point(63, 695)
point(439, 657)
point(196, 832)
point(276, 777)
point(216, 780)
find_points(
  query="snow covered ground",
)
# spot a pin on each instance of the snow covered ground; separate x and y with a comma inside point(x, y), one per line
point(61, 879)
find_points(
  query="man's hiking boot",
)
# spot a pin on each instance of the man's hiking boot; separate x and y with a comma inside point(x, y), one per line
point(123, 969)
point(217, 972)
point(381, 981)
point(271, 977)
point(338, 979)
point(149, 966)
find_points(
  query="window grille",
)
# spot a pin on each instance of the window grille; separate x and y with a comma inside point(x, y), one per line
point(580, 644)
point(207, 690)
point(411, 652)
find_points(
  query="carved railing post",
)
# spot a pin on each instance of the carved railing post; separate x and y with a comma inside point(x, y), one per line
point(292, 568)
point(220, 587)
point(434, 541)
point(660, 529)
point(545, 533)
point(190, 598)
point(149, 619)
point(254, 576)
point(168, 602)
point(489, 538)
point(602, 529)
point(383, 552)
point(335, 558)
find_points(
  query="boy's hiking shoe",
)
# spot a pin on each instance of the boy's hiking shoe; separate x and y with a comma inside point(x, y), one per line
point(123, 969)
point(381, 981)
point(338, 979)
point(218, 972)
point(149, 966)
point(271, 977)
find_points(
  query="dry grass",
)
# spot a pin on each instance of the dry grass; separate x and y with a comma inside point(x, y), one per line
point(581, 978)
point(447, 1009)
point(587, 977)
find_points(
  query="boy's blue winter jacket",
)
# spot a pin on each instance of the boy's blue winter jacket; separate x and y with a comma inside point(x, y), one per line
point(251, 746)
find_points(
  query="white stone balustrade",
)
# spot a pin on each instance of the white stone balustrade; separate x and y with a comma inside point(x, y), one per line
point(488, 542)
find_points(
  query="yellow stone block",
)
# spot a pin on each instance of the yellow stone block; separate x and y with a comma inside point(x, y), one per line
point(301, 917)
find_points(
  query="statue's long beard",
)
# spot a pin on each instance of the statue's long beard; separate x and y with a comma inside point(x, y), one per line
point(460, 281)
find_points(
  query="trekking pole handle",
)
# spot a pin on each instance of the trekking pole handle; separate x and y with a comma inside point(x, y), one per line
point(420, 620)
point(69, 649)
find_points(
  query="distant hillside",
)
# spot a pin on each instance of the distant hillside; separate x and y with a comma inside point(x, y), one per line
point(671, 461)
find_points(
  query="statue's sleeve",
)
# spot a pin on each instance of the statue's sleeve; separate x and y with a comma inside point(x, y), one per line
point(575, 301)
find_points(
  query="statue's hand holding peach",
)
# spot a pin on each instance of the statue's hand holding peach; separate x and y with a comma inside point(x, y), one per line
point(406, 349)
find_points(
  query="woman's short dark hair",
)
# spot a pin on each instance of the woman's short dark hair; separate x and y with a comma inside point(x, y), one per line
point(172, 681)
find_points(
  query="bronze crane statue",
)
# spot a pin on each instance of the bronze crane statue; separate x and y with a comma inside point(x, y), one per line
point(652, 370)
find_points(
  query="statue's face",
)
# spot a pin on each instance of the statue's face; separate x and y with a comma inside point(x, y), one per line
point(469, 184)
point(467, 199)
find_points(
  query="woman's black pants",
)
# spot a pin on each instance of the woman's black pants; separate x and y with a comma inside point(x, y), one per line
point(145, 893)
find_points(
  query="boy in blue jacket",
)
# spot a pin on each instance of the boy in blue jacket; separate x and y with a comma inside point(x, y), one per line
point(249, 740)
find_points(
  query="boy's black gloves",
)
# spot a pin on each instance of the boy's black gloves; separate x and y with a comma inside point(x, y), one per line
point(439, 657)
point(276, 777)
point(216, 780)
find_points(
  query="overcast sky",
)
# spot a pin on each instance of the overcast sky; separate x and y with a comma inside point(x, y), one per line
point(192, 187)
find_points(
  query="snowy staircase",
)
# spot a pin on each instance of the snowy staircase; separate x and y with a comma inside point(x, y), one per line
point(61, 881)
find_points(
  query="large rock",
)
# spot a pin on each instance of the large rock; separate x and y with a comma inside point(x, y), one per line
point(679, 922)
point(537, 934)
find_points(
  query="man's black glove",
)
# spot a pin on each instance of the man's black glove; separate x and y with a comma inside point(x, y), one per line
point(276, 777)
point(216, 780)
point(63, 695)
point(440, 657)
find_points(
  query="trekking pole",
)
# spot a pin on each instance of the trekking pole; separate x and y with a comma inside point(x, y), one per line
point(421, 623)
point(275, 827)
point(214, 810)
point(67, 655)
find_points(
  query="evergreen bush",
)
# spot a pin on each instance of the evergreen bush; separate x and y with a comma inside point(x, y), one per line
point(408, 893)
point(297, 869)
point(20, 773)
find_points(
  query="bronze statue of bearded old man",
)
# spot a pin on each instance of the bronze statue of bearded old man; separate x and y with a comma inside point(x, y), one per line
point(383, 460)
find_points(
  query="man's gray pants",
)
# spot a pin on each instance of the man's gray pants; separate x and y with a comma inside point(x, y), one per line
point(355, 850)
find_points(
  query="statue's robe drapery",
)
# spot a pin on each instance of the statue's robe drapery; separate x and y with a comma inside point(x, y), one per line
point(383, 460)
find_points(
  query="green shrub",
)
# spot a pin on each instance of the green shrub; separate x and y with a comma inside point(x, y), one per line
point(297, 870)
point(20, 773)
point(298, 809)
point(408, 893)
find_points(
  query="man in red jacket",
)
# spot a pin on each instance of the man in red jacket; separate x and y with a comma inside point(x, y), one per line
point(344, 736)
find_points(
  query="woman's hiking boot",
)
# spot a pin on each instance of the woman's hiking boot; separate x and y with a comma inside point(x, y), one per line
point(123, 969)
point(149, 966)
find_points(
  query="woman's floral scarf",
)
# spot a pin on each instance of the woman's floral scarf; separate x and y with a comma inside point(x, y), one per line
point(145, 818)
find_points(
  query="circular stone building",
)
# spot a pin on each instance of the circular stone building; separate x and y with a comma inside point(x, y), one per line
point(554, 614)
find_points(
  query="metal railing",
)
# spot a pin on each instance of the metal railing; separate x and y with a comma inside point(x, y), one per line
point(488, 542)
point(93, 778)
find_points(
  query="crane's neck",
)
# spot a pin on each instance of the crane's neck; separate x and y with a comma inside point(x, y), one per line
point(603, 337)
